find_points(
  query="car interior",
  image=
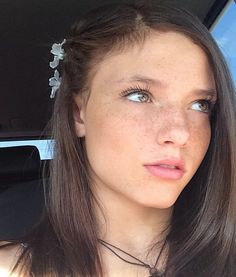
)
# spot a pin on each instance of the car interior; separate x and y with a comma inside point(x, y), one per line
point(28, 30)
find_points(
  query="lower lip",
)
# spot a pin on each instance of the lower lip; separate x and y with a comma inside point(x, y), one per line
point(164, 172)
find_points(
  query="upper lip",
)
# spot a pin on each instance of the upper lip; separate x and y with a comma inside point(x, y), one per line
point(172, 162)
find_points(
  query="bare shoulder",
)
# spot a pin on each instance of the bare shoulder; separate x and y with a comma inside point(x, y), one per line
point(8, 258)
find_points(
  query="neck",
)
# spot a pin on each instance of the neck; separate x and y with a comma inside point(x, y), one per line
point(131, 226)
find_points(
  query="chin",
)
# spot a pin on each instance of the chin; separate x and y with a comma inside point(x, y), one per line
point(163, 203)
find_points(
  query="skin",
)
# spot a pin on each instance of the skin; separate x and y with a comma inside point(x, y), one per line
point(8, 257)
point(122, 134)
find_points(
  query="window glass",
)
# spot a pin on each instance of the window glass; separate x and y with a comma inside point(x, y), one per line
point(224, 31)
point(44, 146)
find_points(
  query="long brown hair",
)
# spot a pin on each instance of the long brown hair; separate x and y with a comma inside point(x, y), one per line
point(202, 230)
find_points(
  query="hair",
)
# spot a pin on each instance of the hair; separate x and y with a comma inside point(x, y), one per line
point(202, 229)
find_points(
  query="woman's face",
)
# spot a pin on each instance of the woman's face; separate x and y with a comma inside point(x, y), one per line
point(146, 123)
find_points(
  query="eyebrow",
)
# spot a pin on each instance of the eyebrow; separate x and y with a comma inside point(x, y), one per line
point(156, 82)
point(142, 79)
point(207, 92)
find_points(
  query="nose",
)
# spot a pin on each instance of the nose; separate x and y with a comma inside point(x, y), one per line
point(173, 129)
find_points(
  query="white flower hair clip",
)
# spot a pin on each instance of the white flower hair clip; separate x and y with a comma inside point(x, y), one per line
point(55, 81)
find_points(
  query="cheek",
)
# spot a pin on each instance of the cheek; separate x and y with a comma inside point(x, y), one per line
point(200, 140)
point(201, 130)
point(117, 136)
point(107, 135)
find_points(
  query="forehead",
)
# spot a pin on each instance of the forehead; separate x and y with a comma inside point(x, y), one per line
point(163, 55)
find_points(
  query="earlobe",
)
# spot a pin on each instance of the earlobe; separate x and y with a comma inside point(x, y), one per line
point(79, 116)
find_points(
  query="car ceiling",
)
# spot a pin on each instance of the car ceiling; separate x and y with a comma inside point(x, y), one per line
point(27, 30)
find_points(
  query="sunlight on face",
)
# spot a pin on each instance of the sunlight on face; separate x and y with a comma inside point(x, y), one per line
point(146, 124)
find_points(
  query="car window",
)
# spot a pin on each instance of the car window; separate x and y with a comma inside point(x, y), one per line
point(44, 146)
point(224, 31)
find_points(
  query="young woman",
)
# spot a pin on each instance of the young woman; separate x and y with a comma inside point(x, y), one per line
point(143, 178)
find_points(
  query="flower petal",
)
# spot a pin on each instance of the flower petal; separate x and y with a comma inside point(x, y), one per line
point(54, 63)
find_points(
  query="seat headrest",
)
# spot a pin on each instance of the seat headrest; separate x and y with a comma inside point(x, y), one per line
point(19, 164)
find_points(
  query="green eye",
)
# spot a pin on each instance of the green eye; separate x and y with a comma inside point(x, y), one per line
point(202, 106)
point(138, 96)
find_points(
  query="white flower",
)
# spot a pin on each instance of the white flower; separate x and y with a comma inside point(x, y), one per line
point(54, 82)
point(58, 53)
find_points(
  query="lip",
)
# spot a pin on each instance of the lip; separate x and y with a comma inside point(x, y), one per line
point(158, 170)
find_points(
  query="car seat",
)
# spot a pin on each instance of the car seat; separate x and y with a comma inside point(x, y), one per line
point(21, 191)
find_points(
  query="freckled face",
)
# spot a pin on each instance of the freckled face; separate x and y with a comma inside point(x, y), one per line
point(148, 104)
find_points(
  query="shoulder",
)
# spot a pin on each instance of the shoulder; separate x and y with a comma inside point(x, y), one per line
point(9, 255)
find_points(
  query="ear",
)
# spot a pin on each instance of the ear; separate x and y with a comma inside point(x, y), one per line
point(79, 116)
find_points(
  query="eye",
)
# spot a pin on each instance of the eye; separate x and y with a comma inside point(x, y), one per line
point(139, 96)
point(203, 105)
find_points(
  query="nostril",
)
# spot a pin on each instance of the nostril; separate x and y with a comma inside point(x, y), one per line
point(168, 142)
point(173, 133)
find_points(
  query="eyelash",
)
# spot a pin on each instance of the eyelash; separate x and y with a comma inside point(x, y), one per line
point(210, 104)
point(145, 91)
point(138, 90)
